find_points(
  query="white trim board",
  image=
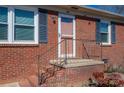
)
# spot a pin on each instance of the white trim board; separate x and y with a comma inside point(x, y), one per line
point(59, 35)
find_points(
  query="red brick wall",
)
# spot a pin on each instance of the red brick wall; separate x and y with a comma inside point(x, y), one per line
point(115, 52)
point(19, 61)
point(86, 29)
point(74, 77)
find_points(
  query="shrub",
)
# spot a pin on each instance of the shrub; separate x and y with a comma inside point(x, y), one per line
point(114, 68)
point(99, 80)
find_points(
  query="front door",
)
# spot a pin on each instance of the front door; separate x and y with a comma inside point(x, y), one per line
point(67, 35)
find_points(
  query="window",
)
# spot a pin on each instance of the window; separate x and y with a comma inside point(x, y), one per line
point(105, 32)
point(3, 23)
point(19, 25)
point(24, 25)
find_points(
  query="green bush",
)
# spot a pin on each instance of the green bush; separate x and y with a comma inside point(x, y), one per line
point(114, 68)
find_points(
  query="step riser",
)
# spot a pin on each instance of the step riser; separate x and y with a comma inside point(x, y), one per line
point(71, 61)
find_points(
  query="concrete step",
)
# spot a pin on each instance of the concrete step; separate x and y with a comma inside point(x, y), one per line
point(72, 60)
point(84, 63)
point(75, 62)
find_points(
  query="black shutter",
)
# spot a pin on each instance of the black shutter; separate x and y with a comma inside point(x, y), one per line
point(113, 33)
point(43, 37)
point(98, 38)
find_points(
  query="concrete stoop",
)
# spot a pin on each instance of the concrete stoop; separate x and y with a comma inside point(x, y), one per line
point(14, 84)
point(70, 63)
point(31, 81)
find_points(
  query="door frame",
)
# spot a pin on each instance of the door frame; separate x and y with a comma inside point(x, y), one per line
point(59, 33)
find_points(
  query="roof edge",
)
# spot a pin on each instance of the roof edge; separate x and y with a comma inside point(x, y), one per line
point(100, 10)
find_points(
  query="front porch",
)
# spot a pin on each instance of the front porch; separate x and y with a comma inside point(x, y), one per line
point(51, 66)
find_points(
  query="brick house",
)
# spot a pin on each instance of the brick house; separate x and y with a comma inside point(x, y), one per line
point(57, 45)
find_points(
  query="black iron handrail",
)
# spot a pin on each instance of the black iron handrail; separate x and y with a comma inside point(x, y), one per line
point(50, 49)
point(83, 40)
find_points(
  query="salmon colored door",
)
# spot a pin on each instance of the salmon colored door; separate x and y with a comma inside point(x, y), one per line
point(67, 35)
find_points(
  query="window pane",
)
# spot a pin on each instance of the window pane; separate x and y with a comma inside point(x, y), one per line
point(3, 32)
point(3, 14)
point(104, 37)
point(24, 17)
point(24, 33)
point(66, 26)
point(103, 27)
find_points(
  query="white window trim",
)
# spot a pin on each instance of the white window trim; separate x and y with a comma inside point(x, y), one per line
point(11, 26)
point(109, 32)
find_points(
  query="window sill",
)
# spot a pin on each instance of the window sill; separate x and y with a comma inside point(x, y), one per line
point(106, 44)
point(18, 44)
point(75, 63)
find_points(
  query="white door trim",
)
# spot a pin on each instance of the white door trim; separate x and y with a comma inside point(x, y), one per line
point(59, 33)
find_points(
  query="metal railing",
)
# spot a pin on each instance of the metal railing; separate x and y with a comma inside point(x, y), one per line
point(67, 48)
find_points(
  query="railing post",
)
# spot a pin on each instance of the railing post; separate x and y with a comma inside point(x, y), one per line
point(38, 64)
point(65, 51)
point(101, 49)
point(101, 45)
point(82, 48)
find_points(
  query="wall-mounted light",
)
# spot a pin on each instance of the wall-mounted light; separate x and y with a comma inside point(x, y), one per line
point(53, 19)
point(89, 22)
point(67, 11)
point(74, 8)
